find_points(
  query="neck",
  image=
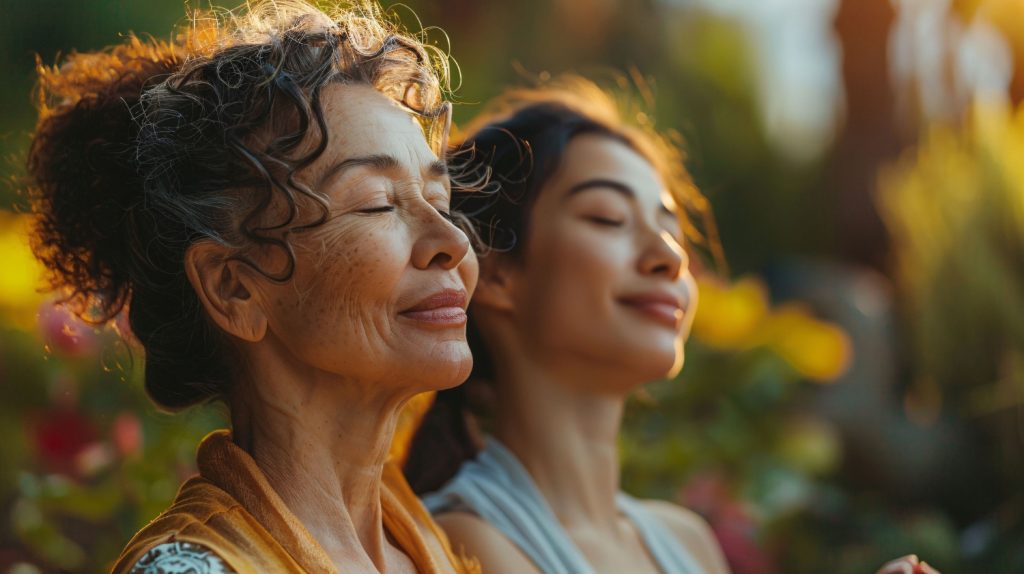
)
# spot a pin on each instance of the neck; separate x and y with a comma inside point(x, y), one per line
point(564, 433)
point(322, 444)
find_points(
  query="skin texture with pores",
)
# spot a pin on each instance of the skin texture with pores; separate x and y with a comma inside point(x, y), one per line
point(599, 303)
point(373, 315)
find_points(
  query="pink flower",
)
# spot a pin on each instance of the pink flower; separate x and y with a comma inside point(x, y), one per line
point(704, 493)
point(126, 434)
point(736, 531)
point(93, 458)
point(707, 493)
point(65, 333)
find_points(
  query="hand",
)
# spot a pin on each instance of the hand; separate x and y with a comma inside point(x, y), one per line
point(908, 564)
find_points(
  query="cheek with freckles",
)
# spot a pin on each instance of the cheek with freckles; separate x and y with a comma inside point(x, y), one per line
point(335, 314)
point(339, 314)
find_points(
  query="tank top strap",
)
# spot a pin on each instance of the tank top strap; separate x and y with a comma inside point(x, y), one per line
point(496, 487)
point(663, 545)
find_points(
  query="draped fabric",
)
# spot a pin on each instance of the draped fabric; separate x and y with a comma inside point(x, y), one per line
point(497, 488)
point(231, 510)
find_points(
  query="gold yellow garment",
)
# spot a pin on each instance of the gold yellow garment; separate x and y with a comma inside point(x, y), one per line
point(231, 509)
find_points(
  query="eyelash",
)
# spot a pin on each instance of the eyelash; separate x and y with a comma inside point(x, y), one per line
point(382, 209)
point(389, 208)
point(606, 222)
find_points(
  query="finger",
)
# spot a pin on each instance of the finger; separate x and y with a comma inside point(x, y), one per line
point(897, 567)
point(925, 568)
point(899, 563)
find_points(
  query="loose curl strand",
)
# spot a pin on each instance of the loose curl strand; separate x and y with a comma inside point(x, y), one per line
point(147, 147)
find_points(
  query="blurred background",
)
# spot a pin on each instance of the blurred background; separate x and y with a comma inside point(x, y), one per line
point(854, 386)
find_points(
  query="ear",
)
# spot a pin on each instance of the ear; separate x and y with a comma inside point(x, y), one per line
point(224, 287)
point(495, 289)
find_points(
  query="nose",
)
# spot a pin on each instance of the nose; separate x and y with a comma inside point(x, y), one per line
point(439, 243)
point(663, 256)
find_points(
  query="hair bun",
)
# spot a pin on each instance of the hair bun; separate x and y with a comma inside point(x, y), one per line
point(84, 183)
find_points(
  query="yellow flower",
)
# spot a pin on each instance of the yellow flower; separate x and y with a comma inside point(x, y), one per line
point(817, 350)
point(809, 444)
point(22, 277)
point(729, 315)
point(738, 317)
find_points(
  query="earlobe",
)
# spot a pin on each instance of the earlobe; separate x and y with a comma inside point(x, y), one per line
point(223, 287)
point(495, 288)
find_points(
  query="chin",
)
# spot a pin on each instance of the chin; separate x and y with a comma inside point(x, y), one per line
point(654, 364)
point(677, 367)
point(447, 368)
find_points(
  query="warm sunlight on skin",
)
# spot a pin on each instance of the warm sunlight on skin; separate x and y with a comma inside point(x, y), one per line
point(604, 285)
point(374, 314)
point(606, 280)
point(599, 303)
point(386, 247)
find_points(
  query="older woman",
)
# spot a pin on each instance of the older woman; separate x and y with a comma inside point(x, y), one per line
point(265, 201)
point(585, 294)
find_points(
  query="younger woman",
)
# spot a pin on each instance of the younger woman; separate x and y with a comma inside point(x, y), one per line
point(585, 294)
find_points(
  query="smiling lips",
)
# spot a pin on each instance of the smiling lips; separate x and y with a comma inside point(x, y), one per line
point(663, 308)
point(445, 308)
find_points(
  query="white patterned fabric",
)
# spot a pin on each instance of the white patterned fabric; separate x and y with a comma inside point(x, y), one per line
point(180, 558)
point(497, 488)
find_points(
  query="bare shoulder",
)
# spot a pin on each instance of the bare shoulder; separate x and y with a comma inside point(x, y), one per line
point(693, 532)
point(685, 523)
point(476, 537)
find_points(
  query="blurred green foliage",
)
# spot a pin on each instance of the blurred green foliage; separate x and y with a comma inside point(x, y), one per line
point(87, 459)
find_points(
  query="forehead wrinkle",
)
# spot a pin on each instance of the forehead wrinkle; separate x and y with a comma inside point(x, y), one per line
point(388, 164)
point(352, 112)
point(375, 164)
point(405, 159)
point(419, 182)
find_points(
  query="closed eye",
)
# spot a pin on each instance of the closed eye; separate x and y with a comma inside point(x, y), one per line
point(605, 221)
point(381, 209)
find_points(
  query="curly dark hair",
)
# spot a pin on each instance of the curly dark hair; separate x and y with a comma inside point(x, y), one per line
point(144, 148)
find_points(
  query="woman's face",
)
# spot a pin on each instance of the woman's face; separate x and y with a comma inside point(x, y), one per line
point(605, 277)
point(380, 290)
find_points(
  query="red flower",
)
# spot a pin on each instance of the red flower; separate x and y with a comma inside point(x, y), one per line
point(59, 436)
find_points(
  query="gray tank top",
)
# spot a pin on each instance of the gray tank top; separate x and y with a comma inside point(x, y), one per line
point(497, 488)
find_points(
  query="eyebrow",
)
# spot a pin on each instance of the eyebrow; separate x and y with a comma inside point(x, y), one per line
point(379, 162)
point(616, 186)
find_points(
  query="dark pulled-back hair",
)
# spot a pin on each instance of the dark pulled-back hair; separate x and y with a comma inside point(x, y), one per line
point(518, 143)
point(145, 148)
